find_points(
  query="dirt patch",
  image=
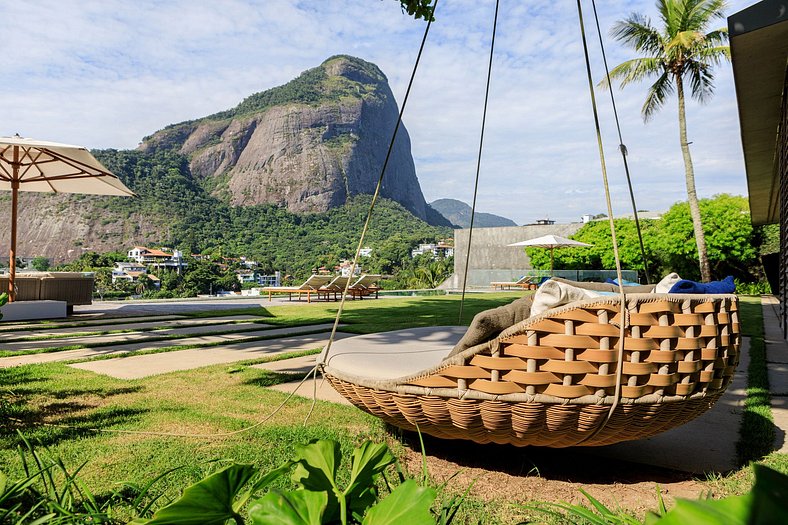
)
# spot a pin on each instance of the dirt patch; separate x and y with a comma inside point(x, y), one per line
point(520, 475)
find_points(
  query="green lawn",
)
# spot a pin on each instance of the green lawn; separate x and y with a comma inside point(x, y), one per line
point(225, 398)
point(209, 400)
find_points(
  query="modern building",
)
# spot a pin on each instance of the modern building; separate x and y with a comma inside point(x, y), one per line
point(759, 53)
point(438, 250)
point(131, 272)
point(157, 258)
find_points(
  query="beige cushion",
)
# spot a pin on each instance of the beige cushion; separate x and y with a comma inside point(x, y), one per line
point(488, 324)
point(390, 355)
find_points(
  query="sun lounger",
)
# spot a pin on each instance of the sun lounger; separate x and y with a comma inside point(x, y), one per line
point(310, 288)
point(365, 286)
point(335, 287)
point(525, 283)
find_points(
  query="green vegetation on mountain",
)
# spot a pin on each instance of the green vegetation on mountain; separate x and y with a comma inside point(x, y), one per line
point(312, 87)
point(277, 239)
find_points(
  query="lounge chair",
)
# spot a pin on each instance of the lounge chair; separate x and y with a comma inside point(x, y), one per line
point(365, 286)
point(525, 282)
point(310, 288)
point(335, 287)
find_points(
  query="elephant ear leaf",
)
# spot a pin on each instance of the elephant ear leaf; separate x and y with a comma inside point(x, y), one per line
point(298, 507)
point(207, 502)
point(409, 503)
point(317, 465)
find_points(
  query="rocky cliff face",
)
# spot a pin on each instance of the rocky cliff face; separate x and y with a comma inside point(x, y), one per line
point(307, 145)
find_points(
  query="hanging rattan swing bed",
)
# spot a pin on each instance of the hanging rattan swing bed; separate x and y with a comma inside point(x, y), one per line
point(594, 372)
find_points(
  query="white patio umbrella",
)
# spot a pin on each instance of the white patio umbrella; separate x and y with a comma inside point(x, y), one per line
point(34, 165)
point(552, 242)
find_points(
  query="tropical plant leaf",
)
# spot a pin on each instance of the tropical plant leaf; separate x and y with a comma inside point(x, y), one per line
point(409, 503)
point(207, 502)
point(317, 464)
point(771, 496)
point(297, 507)
point(729, 511)
point(261, 483)
point(368, 461)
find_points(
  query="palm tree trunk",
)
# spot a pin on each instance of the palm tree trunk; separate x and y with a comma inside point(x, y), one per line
point(692, 195)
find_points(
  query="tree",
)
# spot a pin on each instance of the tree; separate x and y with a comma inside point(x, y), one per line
point(732, 244)
point(682, 50)
point(418, 8)
point(40, 263)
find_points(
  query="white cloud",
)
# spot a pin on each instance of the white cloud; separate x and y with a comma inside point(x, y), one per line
point(107, 73)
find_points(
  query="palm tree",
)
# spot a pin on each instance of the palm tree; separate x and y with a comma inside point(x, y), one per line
point(682, 50)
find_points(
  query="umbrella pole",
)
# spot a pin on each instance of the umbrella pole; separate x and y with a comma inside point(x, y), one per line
point(14, 199)
point(551, 261)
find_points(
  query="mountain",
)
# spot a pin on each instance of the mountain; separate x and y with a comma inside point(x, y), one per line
point(281, 177)
point(459, 214)
point(307, 146)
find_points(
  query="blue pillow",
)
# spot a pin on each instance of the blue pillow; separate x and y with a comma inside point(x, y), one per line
point(626, 283)
point(727, 285)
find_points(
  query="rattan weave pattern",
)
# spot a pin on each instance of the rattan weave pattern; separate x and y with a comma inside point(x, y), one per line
point(552, 381)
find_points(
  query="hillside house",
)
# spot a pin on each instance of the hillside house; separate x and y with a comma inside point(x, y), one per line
point(439, 251)
point(131, 272)
point(157, 258)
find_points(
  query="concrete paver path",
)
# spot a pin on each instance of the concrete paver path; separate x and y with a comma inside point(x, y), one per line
point(109, 325)
point(136, 367)
point(70, 322)
point(777, 368)
point(298, 367)
point(86, 353)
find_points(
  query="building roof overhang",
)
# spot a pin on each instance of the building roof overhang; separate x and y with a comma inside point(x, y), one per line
point(759, 53)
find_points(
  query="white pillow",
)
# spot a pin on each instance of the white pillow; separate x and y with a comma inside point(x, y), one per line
point(553, 294)
point(667, 283)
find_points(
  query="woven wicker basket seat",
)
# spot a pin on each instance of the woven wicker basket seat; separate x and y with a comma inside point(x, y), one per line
point(551, 379)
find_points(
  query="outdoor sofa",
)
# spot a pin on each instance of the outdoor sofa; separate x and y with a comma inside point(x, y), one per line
point(75, 288)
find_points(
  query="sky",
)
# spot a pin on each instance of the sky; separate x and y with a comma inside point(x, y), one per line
point(105, 74)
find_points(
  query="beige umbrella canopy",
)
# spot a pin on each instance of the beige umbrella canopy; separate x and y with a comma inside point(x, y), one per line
point(552, 242)
point(34, 165)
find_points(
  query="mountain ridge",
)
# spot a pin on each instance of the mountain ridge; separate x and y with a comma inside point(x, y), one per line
point(458, 213)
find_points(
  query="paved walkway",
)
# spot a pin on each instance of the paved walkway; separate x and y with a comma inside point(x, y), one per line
point(777, 364)
point(299, 367)
point(136, 367)
point(73, 322)
point(231, 338)
point(108, 325)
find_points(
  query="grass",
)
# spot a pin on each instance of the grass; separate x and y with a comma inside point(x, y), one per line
point(225, 398)
point(214, 399)
point(757, 428)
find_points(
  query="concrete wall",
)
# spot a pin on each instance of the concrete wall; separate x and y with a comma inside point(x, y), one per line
point(491, 259)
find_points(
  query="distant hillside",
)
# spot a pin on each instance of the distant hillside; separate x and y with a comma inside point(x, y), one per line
point(308, 145)
point(459, 214)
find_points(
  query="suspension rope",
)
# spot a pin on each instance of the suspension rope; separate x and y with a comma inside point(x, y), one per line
point(341, 308)
point(479, 161)
point(623, 322)
point(622, 148)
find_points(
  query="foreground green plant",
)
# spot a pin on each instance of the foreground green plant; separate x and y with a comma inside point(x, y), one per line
point(3, 300)
point(765, 504)
point(319, 497)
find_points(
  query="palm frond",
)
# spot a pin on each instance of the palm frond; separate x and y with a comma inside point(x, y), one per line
point(657, 94)
point(713, 55)
point(638, 33)
point(717, 37)
point(635, 70)
point(669, 13)
point(701, 81)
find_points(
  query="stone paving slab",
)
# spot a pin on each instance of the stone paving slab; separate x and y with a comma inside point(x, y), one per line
point(299, 366)
point(129, 337)
point(143, 326)
point(86, 353)
point(10, 327)
point(137, 367)
point(777, 369)
point(705, 444)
